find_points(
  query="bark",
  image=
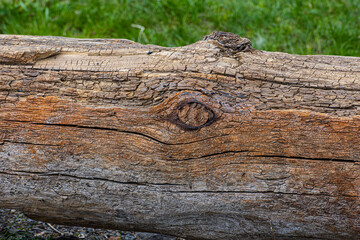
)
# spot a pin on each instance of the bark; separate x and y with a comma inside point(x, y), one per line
point(215, 140)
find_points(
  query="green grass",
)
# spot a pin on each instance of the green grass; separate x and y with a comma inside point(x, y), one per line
point(298, 26)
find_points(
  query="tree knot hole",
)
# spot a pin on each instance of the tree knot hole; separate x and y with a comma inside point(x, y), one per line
point(193, 115)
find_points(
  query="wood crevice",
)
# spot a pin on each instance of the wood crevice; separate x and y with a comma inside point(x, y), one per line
point(60, 174)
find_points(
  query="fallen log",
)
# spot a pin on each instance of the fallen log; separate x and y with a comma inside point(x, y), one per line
point(215, 140)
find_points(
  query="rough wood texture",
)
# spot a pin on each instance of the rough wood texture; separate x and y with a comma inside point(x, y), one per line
point(215, 140)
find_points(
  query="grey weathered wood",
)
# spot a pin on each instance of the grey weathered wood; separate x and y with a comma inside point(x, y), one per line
point(215, 140)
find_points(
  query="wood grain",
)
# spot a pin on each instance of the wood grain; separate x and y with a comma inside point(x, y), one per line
point(215, 140)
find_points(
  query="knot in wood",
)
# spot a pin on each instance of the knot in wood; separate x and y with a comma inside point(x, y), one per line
point(230, 41)
point(194, 115)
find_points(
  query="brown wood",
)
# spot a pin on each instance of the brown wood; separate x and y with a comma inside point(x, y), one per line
point(215, 140)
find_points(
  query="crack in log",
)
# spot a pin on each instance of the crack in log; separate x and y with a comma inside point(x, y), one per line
point(29, 143)
point(147, 184)
point(113, 129)
point(50, 174)
point(92, 127)
point(307, 158)
point(266, 156)
point(209, 155)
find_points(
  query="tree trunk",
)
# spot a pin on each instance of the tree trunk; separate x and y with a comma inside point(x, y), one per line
point(215, 140)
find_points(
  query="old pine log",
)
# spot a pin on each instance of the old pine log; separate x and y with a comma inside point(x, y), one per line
point(215, 140)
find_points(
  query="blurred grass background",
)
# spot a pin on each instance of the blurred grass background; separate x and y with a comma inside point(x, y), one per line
point(298, 26)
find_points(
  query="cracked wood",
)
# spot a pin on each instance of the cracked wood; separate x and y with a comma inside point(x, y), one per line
point(215, 140)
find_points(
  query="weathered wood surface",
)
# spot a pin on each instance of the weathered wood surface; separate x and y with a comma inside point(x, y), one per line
point(215, 140)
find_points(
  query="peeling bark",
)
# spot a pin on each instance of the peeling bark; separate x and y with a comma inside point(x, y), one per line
point(215, 140)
